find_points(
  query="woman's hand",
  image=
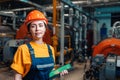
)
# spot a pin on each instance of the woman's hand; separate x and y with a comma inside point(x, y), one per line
point(64, 73)
point(17, 76)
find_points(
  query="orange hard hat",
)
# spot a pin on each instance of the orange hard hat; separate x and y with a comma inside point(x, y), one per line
point(35, 15)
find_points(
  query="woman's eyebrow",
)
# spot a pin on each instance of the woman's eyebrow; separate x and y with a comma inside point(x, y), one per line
point(33, 24)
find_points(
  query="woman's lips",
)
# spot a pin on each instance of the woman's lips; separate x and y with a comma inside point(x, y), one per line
point(38, 33)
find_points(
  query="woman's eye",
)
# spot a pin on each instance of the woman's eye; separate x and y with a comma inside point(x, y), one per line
point(41, 25)
point(32, 26)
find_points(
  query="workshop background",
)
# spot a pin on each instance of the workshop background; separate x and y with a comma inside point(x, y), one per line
point(84, 34)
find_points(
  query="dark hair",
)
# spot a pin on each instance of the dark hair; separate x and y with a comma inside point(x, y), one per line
point(28, 27)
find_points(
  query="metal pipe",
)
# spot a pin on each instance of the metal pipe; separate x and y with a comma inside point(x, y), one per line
point(62, 36)
point(54, 16)
point(71, 16)
point(18, 9)
point(85, 26)
point(14, 23)
point(76, 25)
point(87, 4)
point(95, 37)
point(7, 14)
point(34, 4)
point(70, 4)
point(83, 3)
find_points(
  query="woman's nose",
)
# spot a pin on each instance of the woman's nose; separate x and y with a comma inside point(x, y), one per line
point(37, 28)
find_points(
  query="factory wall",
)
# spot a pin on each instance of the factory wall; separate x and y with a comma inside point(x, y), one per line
point(104, 16)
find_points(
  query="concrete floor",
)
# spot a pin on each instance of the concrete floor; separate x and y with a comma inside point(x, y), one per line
point(6, 74)
point(76, 74)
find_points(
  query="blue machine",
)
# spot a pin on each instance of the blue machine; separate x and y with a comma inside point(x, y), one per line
point(10, 47)
point(105, 68)
point(110, 67)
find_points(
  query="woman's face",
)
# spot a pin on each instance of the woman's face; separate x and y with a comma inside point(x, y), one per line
point(37, 29)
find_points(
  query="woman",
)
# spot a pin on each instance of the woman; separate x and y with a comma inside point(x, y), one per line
point(35, 60)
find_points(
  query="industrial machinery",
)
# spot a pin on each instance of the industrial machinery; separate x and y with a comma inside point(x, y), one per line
point(73, 33)
point(105, 62)
point(23, 37)
point(51, 37)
